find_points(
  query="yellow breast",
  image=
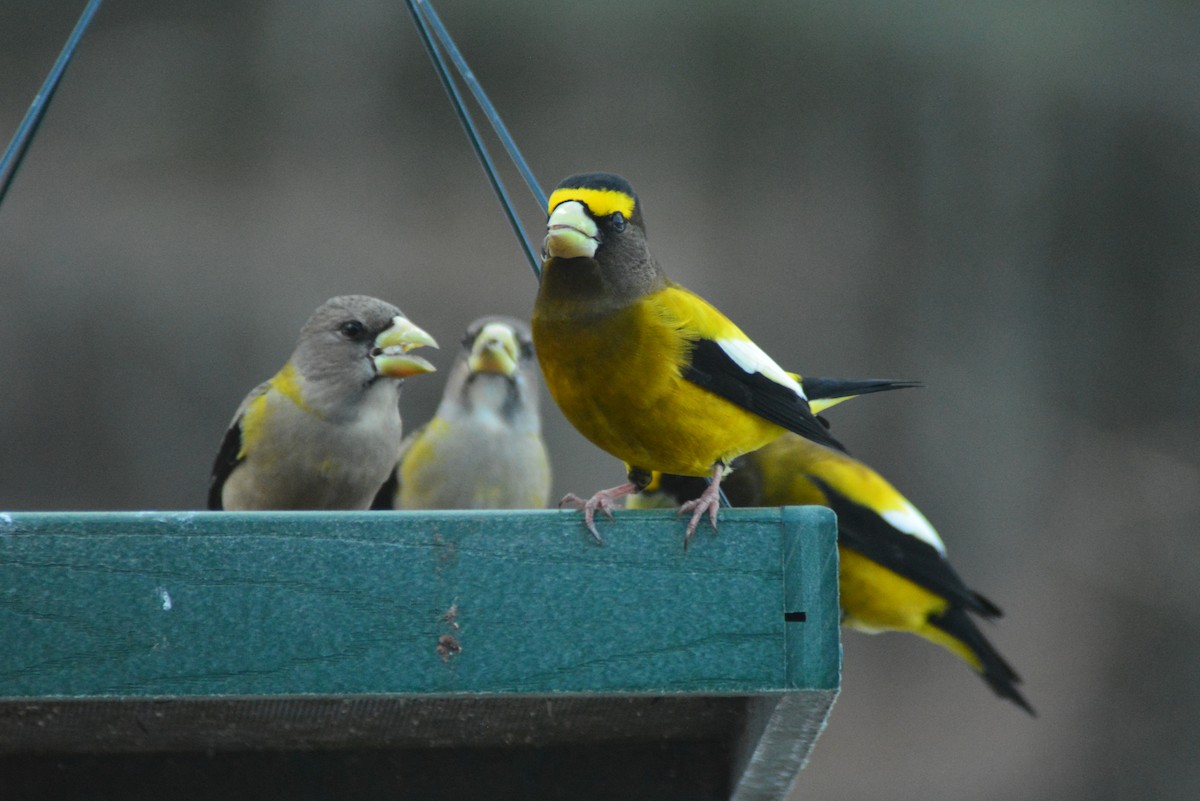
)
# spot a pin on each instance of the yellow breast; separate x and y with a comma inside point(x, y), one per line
point(617, 378)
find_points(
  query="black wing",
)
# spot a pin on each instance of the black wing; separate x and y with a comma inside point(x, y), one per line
point(859, 529)
point(385, 499)
point(862, 530)
point(227, 459)
point(713, 369)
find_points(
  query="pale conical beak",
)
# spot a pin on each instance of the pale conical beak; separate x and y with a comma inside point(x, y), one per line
point(391, 351)
point(495, 350)
point(570, 232)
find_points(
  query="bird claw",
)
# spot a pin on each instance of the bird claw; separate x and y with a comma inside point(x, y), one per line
point(709, 501)
point(602, 501)
point(589, 507)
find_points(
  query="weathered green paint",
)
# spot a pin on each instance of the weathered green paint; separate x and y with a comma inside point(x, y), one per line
point(273, 604)
point(145, 631)
point(810, 568)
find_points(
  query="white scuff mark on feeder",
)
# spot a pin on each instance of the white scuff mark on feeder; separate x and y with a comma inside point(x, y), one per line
point(166, 598)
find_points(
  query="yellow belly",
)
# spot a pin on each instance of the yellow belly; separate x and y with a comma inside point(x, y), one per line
point(617, 379)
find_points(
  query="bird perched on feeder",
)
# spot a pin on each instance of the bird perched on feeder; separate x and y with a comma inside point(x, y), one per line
point(645, 369)
point(325, 430)
point(483, 449)
point(893, 571)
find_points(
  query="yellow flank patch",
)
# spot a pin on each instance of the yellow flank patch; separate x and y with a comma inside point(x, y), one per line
point(252, 424)
point(287, 383)
point(875, 599)
point(420, 455)
point(600, 202)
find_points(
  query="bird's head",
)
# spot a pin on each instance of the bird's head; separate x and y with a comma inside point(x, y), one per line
point(595, 222)
point(497, 346)
point(355, 339)
point(590, 213)
point(494, 370)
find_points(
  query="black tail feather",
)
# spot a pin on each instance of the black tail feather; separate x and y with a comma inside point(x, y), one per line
point(985, 608)
point(996, 671)
point(818, 388)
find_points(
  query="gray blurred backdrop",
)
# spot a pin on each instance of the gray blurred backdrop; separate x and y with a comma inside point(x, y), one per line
point(999, 199)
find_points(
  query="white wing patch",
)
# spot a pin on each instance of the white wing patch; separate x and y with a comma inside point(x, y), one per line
point(911, 521)
point(753, 359)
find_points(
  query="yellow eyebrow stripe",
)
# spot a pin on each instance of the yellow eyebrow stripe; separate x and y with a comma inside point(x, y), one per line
point(600, 202)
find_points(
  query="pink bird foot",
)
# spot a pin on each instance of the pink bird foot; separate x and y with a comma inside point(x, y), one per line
point(709, 501)
point(602, 501)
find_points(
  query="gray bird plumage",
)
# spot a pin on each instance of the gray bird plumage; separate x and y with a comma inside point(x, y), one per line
point(323, 432)
point(483, 449)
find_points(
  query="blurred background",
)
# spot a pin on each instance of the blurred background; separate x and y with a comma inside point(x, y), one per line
point(1001, 200)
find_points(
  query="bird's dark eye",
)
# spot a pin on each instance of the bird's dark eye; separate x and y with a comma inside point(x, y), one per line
point(353, 330)
point(618, 221)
